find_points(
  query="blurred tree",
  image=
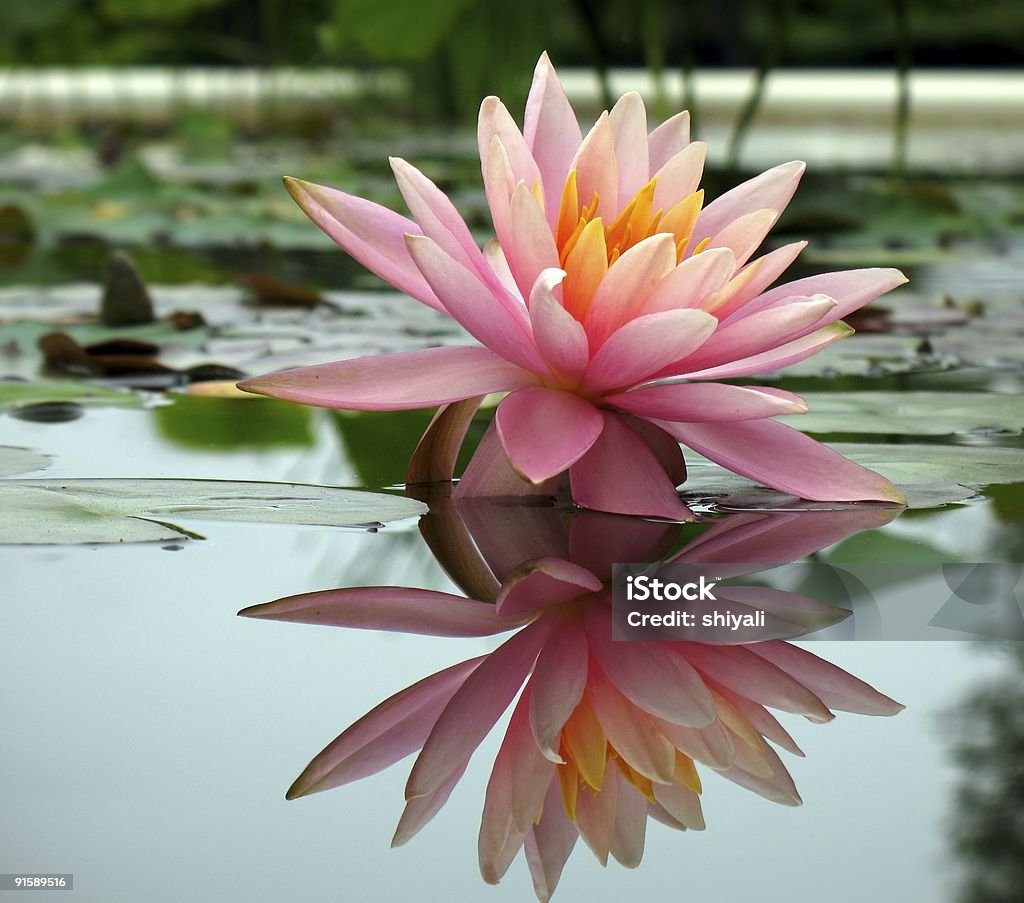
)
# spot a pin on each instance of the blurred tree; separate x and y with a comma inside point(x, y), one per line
point(988, 826)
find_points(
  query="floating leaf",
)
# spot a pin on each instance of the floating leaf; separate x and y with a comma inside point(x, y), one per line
point(20, 460)
point(16, 394)
point(101, 511)
point(910, 413)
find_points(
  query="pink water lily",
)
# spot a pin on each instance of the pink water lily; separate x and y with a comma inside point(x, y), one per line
point(604, 734)
point(608, 306)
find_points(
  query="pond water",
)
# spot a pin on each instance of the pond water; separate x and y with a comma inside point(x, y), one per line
point(151, 733)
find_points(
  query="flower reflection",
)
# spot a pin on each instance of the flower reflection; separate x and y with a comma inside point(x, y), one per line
point(603, 734)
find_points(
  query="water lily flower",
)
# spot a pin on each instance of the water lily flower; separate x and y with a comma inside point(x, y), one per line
point(608, 306)
point(604, 734)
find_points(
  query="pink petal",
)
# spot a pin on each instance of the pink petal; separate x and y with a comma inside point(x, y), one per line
point(549, 845)
point(400, 609)
point(645, 345)
point(630, 828)
point(765, 723)
point(740, 670)
point(851, 290)
point(836, 688)
point(495, 121)
point(595, 813)
point(755, 277)
point(627, 284)
point(620, 474)
point(628, 119)
point(665, 448)
point(420, 811)
point(680, 176)
point(373, 235)
point(530, 245)
point(545, 431)
point(391, 731)
point(557, 685)
point(701, 402)
point(743, 236)
point(475, 708)
point(436, 214)
point(516, 790)
point(692, 283)
point(551, 132)
point(778, 456)
point(711, 745)
point(498, 262)
point(542, 583)
point(630, 731)
point(596, 172)
point(559, 336)
point(598, 540)
point(773, 189)
point(775, 358)
point(496, 321)
point(668, 139)
point(489, 475)
point(682, 804)
point(395, 382)
point(658, 681)
point(779, 787)
point(749, 336)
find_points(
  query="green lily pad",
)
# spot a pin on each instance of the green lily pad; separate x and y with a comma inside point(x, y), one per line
point(16, 394)
point(20, 460)
point(102, 511)
point(910, 413)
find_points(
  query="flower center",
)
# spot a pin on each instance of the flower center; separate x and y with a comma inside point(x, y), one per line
point(588, 245)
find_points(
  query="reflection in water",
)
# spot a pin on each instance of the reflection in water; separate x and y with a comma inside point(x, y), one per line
point(988, 830)
point(604, 734)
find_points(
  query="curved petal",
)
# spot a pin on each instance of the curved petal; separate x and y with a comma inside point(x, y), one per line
point(772, 188)
point(596, 171)
point(560, 337)
point(779, 456)
point(775, 358)
point(680, 176)
point(373, 235)
point(630, 829)
point(395, 382)
point(682, 804)
point(551, 132)
point(749, 336)
point(850, 289)
point(489, 475)
point(557, 685)
point(652, 678)
point(475, 708)
point(628, 119)
point(702, 402)
point(437, 452)
point(692, 283)
point(545, 431)
point(835, 687)
point(544, 582)
point(495, 321)
point(549, 845)
point(668, 139)
point(386, 734)
point(595, 813)
point(400, 609)
point(645, 345)
point(743, 236)
point(627, 284)
point(495, 122)
point(754, 278)
point(418, 812)
point(530, 245)
point(620, 474)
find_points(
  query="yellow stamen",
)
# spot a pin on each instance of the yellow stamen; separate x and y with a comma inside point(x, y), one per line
point(586, 744)
point(569, 785)
point(686, 773)
point(568, 211)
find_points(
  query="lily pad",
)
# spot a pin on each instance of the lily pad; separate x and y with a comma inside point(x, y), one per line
point(20, 460)
point(910, 413)
point(102, 511)
point(16, 394)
